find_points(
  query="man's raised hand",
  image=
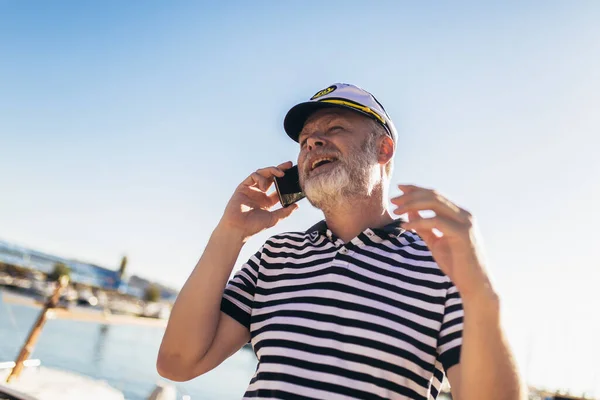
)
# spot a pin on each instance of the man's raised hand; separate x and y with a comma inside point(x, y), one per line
point(249, 209)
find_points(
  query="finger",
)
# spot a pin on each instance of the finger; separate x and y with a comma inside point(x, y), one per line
point(421, 201)
point(270, 172)
point(285, 165)
point(282, 213)
point(257, 180)
point(259, 198)
point(413, 216)
point(442, 208)
point(273, 198)
point(411, 194)
point(261, 181)
point(410, 188)
point(428, 236)
point(249, 181)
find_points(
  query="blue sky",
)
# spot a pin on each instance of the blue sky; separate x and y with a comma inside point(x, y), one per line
point(126, 126)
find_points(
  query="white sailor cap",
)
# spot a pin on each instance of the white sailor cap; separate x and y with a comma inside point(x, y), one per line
point(340, 95)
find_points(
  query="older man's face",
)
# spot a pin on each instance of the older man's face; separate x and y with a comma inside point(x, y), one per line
point(335, 154)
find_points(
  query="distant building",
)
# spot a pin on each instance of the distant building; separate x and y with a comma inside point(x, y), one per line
point(81, 272)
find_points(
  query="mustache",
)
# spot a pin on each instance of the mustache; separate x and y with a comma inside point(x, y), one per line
point(320, 153)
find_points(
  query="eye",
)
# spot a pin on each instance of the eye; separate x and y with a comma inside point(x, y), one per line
point(302, 143)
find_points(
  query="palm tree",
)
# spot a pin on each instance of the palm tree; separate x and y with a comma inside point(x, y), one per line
point(152, 294)
point(60, 269)
point(123, 267)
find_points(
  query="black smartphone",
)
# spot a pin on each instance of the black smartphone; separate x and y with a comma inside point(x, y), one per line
point(288, 187)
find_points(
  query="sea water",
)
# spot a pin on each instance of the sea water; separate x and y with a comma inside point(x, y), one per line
point(122, 355)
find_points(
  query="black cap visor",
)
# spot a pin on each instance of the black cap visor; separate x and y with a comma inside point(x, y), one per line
point(296, 118)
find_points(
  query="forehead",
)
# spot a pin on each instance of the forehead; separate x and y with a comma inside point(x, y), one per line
point(327, 116)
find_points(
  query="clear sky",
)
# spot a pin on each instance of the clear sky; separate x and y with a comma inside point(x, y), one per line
point(126, 126)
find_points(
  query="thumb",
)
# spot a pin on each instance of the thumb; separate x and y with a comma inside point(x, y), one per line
point(282, 213)
point(426, 234)
point(413, 216)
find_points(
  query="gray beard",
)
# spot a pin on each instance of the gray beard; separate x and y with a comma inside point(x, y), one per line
point(351, 178)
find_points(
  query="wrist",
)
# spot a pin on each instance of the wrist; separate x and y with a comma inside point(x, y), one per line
point(485, 300)
point(231, 233)
point(477, 287)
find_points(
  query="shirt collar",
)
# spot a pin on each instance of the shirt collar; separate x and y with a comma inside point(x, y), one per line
point(393, 228)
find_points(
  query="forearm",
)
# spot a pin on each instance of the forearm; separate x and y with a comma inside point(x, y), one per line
point(195, 315)
point(488, 369)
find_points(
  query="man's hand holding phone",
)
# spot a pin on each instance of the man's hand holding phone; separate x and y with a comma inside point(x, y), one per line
point(248, 211)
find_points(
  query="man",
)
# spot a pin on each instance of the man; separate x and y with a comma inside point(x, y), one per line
point(361, 305)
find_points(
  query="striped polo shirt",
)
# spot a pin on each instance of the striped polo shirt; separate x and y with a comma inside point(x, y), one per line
point(374, 318)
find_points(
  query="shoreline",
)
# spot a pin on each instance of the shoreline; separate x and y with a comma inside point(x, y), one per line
point(81, 314)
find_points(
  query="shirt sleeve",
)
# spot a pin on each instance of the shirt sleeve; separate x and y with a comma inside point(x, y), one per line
point(238, 296)
point(450, 339)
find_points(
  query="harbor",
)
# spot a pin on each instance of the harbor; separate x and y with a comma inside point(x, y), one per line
point(122, 355)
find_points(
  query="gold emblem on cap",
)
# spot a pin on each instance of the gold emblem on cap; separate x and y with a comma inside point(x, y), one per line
point(324, 92)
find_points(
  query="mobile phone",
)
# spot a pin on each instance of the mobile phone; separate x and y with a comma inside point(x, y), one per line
point(288, 187)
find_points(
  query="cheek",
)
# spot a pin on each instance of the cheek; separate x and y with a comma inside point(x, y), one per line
point(300, 160)
point(338, 146)
point(301, 166)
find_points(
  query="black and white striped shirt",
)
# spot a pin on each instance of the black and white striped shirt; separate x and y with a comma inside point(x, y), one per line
point(374, 318)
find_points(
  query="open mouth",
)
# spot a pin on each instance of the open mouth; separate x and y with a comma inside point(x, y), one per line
point(320, 162)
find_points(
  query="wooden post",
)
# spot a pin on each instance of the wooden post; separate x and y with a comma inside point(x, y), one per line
point(34, 334)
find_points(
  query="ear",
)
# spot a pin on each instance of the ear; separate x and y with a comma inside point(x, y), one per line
point(385, 149)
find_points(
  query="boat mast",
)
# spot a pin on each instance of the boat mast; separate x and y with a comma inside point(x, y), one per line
point(36, 330)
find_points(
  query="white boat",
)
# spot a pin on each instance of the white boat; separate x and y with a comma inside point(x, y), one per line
point(41, 383)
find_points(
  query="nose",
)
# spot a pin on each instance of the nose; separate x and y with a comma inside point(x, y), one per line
point(314, 141)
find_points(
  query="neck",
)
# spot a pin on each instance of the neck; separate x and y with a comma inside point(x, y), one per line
point(350, 216)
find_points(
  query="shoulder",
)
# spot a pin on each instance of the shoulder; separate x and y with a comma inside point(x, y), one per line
point(286, 242)
point(288, 237)
point(298, 237)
